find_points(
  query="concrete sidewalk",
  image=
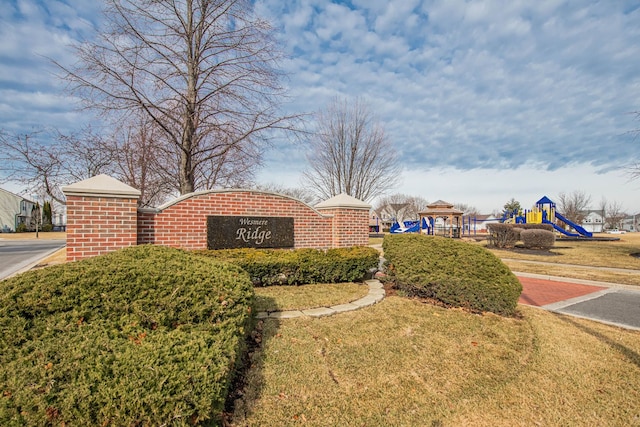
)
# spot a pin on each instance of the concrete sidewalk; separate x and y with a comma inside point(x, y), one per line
point(614, 304)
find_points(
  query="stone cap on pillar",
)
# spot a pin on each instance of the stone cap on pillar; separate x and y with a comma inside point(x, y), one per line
point(101, 186)
point(343, 201)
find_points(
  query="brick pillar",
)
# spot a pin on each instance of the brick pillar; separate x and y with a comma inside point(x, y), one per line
point(350, 220)
point(101, 216)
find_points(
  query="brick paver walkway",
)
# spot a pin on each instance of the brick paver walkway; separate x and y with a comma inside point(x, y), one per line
point(540, 292)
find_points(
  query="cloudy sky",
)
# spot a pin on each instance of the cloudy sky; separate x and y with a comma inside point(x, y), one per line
point(483, 100)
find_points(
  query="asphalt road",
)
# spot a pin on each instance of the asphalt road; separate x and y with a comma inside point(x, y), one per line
point(16, 255)
point(615, 306)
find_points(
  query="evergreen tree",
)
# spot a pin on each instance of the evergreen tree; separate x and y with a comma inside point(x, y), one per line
point(47, 214)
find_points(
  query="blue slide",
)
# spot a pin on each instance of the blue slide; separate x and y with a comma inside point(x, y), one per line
point(580, 231)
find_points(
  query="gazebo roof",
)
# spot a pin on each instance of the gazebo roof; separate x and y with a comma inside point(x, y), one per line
point(441, 207)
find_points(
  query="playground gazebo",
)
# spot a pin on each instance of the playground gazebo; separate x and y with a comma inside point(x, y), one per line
point(451, 218)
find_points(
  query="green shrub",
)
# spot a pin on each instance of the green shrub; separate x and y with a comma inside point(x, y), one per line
point(47, 228)
point(22, 228)
point(456, 273)
point(302, 266)
point(147, 335)
point(537, 239)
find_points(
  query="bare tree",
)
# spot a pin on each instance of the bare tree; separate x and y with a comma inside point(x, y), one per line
point(400, 207)
point(633, 169)
point(202, 71)
point(573, 205)
point(301, 194)
point(42, 162)
point(602, 207)
point(350, 153)
point(615, 215)
point(467, 209)
point(140, 161)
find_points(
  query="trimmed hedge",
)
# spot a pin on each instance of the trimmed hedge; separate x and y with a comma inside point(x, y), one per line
point(547, 227)
point(301, 266)
point(456, 273)
point(148, 335)
point(537, 239)
point(507, 235)
point(503, 235)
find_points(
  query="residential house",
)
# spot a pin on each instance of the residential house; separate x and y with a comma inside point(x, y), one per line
point(379, 223)
point(631, 223)
point(14, 210)
point(593, 221)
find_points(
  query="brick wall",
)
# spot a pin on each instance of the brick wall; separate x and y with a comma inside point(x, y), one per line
point(102, 216)
point(183, 223)
point(96, 225)
point(350, 227)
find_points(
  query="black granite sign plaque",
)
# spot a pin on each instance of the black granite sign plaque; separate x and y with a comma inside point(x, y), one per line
point(227, 232)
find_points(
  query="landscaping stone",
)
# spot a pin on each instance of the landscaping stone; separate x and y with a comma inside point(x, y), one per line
point(286, 314)
point(344, 307)
point(376, 294)
point(319, 312)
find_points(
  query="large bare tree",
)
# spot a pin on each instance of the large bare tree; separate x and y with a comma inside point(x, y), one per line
point(140, 159)
point(350, 153)
point(204, 72)
point(573, 205)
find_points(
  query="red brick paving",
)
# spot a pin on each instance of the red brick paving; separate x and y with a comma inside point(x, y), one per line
point(539, 292)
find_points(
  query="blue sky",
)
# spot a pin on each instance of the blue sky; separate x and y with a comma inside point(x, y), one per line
point(483, 100)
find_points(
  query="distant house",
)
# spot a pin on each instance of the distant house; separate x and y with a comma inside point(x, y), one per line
point(478, 223)
point(631, 223)
point(14, 210)
point(593, 221)
point(377, 224)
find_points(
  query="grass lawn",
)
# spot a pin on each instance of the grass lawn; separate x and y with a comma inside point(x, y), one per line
point(280, 298)
point(594, 253)
point(405, 363)
point(567, 257)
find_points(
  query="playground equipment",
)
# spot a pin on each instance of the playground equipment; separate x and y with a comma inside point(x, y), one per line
point(544, 212)
point(406, 227)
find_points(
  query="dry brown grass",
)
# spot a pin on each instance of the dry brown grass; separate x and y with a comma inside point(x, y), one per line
point(405, 363)
point(279, 298)
point(58, 257)
point(570, 259)
point(53, 235)
point(593, 253)
point(631, 277)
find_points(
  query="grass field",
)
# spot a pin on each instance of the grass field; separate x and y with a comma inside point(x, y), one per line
point(404, 363)
point(570, 259)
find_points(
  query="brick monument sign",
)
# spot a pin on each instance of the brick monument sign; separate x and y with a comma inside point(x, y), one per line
point(103, 216)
